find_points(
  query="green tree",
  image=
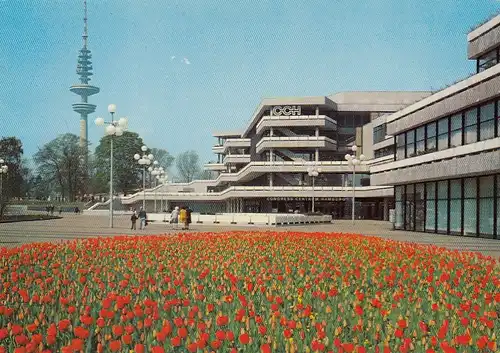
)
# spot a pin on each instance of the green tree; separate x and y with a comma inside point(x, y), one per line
point(126, 171)
point(188, 165)
point(11, 151)
point(61, 162)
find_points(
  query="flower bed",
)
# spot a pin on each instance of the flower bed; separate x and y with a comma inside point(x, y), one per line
point(246, 292)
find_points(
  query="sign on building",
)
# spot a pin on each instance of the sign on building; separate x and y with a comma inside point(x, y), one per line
point(286, 110)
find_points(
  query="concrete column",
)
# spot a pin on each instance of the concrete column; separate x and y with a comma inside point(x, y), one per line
point(271, 179)
point(242, 208)
point(316, 155)
point(317, 132)
point(228, 206)
point(317, 111)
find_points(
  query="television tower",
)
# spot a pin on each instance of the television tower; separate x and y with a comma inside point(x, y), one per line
point(83, 89)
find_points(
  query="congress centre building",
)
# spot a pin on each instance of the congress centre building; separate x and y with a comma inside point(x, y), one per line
point(432, 157)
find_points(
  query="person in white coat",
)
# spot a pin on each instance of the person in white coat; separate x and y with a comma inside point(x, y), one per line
point(174, 217)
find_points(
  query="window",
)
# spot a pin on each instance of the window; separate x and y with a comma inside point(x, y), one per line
point(399, 190)
point(443, 134)
point(470, 128)
point(498, 205)
point(442, 207)
point(400, 146)
point(419, 207)
point(470, 206)
point(487, 60)
point(410, 207)
point(486, 206)
point(420, 140)
point(430, 207)
point(382, 152)
point(487, 121)
point(456, 130)
point(456, 206)
point(379, 133)
point(410, 144)
point(431, 143)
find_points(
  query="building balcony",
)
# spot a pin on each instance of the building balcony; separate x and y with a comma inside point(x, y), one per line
point(321, 121)
point(321, 142)
point(215, 167)
point(231, 143)
point(236, 159)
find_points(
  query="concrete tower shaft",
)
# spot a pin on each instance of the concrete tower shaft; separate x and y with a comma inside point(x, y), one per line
point(83, 89)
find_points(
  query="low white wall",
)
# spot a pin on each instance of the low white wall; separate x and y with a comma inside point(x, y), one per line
point(263, 219)
point(271, 219)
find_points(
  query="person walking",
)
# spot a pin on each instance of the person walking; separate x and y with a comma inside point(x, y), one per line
point(142, 218)
point(183, 216)
point(188, 217)
point(133, 219)
point(174, 217)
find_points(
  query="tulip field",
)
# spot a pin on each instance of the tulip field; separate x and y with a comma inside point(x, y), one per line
point(255, 292)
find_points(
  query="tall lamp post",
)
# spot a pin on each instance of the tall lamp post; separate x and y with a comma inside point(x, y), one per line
point(313, 173)
point(113, 128)
point(144, 161)
point(3, 170)
point(353, 162)
point(160, 179)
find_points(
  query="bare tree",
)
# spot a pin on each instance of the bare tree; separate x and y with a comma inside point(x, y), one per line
point(188, 165)
point(62, 162)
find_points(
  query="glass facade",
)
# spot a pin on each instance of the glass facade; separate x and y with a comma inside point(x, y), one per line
point(464, 206)
point(476, 124)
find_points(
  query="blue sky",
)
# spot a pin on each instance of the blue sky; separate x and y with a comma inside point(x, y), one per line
point(239, 52)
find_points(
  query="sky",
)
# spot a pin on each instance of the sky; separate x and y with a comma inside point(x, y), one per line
point(181, 69)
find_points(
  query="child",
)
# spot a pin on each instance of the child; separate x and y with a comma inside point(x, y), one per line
point(134, 220)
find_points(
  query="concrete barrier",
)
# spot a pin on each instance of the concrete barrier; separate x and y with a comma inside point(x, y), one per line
point(234, 219)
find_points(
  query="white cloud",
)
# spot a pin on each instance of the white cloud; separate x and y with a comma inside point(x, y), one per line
point(172, 57)
point(186, 61)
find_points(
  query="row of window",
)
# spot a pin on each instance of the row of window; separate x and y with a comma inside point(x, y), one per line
point(472, 125)
point(382, 152)
point(379, 133)
point(488, 60)
point(466, 206)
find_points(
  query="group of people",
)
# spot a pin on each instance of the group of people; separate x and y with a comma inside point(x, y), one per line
point(181, 216)
point(178, 216)
point(141, 216)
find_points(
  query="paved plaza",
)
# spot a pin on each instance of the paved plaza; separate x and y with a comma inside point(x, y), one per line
point(81, 226)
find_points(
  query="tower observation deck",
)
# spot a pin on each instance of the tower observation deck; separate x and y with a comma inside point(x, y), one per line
point(83, 89)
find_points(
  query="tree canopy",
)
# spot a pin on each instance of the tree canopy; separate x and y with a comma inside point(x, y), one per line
point(188, 165)
point(61, 162)
point(11, 151)
point(126, 171)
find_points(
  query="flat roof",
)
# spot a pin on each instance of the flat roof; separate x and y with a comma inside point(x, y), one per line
point(479, 31)
point(268, 102)
point(227, 133)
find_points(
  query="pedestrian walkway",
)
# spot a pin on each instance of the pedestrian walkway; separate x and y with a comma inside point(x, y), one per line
point(77, 226)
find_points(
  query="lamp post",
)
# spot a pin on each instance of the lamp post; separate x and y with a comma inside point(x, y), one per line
point(3, 170)
point(353, 162)
point(155, 172)
point(144, 161)
point(313, 173)
point(113, 128)
point(160, 178)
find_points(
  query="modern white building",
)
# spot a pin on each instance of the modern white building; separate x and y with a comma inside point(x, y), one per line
point(446, 168)
point(433, 157)
point(264, 168)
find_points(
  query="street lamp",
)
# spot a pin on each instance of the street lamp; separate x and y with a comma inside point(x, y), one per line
point(3, 170)
point(353, 162)
point(159, 173)
point(113, 128)
point(144, 161)
point(313, 173)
